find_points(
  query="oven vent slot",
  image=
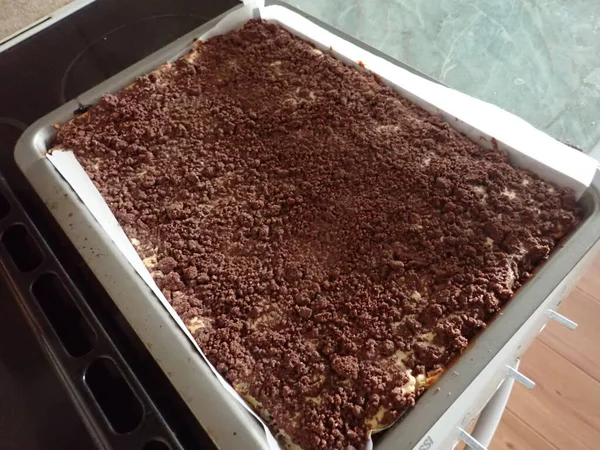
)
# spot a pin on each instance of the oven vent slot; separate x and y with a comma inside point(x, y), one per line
point(114, 396)
point(155, 445)
point(70, 326)
point(21, 247)
point(4, 207)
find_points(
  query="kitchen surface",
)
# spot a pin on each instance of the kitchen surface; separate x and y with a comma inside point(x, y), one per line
point(536, 59)
point(20, 14)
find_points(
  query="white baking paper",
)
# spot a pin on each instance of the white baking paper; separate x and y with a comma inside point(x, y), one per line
point(529, 148)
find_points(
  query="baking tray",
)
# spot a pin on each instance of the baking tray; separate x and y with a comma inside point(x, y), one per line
point(86, 220)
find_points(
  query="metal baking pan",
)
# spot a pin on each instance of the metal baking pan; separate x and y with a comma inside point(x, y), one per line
point(88, 223)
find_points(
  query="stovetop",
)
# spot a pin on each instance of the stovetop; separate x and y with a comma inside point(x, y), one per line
point(36, 76)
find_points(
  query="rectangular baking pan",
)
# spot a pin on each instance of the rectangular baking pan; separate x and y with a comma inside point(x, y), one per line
point(225, 419)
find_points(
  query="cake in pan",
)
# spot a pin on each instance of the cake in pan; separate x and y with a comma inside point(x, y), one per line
point(330, 245)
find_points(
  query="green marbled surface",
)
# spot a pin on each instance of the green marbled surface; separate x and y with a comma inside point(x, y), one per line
point(539, 59)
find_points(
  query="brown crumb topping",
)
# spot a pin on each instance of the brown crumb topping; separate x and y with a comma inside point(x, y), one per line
point(327, 242)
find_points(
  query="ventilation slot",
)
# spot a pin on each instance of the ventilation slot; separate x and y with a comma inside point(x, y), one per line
point(4, 207)
point(156, 445)
point(65, 317)
point(113, 394)
point(22, 248)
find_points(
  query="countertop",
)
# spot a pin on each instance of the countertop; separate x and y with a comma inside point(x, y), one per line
point(19, 14)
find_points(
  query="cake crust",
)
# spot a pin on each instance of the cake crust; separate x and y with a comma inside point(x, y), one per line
point(331, 246)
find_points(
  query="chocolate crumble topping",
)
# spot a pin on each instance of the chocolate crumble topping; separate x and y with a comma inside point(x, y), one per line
point(330, 245)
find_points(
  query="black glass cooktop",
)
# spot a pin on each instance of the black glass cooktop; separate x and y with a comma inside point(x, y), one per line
point(37, 76)
point(77, 53)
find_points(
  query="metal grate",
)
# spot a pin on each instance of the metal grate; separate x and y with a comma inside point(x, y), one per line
point(115, 407)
